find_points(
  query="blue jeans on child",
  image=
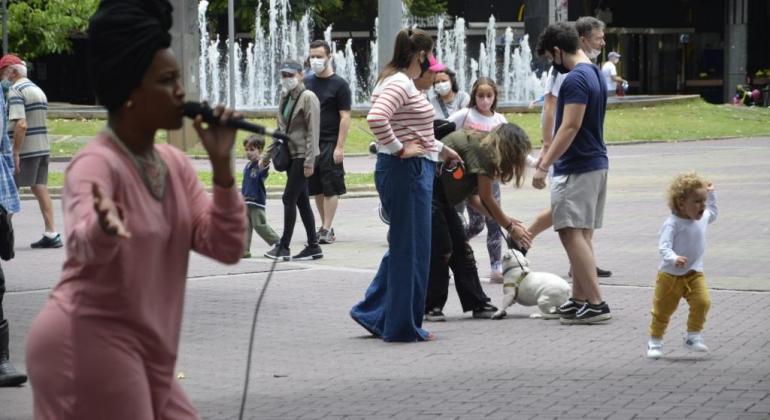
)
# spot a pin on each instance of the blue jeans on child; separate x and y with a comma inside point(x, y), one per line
point(394, 304)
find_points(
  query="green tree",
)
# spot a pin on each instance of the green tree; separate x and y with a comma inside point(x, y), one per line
point(245, 11)
point(425, 8)
point(40, 27)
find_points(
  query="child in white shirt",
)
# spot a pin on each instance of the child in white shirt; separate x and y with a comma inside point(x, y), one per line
point(682, 243)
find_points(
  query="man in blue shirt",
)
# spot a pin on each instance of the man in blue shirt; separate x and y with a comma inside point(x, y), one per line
point(579, 158)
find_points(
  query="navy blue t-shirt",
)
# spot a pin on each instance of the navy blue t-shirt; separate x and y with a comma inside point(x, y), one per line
point(333, 93)
point(584, 84)
point(253, 186)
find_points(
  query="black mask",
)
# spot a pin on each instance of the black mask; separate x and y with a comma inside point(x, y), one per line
point(424, 66)
point(561, 68)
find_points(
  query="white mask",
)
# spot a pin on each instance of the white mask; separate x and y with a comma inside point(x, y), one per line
point(318, 65)
point(592, 53)
point(442, 88)
point(289, 83)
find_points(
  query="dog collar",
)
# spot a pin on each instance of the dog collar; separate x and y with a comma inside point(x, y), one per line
point(516, 283)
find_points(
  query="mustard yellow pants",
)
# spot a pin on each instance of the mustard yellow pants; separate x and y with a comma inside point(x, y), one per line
point(669, 289)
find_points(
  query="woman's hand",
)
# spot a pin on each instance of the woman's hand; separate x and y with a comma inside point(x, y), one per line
point(110, 216)
point(449, 156)
point(412, 149)
point(520, 234)
point(218, 140)
point(538, 179)
point(308, 171)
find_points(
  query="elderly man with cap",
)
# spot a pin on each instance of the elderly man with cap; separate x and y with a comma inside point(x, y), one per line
point(299, 116)
point(27, 116)
point(9, 200)
point(610, 72)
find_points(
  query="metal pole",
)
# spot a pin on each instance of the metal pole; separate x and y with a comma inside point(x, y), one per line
point(231, 60)
point(231, 50)
point(5, 27)
point(390, 16)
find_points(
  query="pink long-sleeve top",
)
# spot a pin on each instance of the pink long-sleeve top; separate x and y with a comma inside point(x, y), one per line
point(138, 283)
point(401, 113)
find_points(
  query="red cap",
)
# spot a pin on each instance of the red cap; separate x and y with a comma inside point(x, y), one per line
point(435, 66)
point(9, 60)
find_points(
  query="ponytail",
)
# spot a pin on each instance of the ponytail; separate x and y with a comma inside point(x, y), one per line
point(408, 43)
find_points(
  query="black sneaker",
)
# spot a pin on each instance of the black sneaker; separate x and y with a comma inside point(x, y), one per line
point(311, 252)
point(484, 312)
point(47, 242)
point(603, 273)
point(590, 314)
point(326, 237)
point(568, 309)
point(435, 315)
point(279, 253)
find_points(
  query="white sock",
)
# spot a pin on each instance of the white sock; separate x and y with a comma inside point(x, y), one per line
point(50, 235)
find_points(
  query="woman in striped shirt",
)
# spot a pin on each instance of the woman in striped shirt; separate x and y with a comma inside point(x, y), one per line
point(402, 120)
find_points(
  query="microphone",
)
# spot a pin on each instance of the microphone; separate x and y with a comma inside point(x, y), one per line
point(193, 109)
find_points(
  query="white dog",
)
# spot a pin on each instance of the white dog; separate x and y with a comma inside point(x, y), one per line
point(547, 291)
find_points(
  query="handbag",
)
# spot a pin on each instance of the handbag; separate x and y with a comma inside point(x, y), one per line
point(281, 155)
point(6, 235)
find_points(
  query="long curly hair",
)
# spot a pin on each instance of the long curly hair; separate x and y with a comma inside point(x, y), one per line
point(681, 187)
point(508, 146)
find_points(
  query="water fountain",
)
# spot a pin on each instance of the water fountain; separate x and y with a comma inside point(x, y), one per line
point(256, 70)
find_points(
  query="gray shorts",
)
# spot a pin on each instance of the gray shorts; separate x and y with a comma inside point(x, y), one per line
point(34, 171)
point(577, 200)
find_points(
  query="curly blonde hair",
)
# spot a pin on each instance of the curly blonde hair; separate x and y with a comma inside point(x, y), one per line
point(682, 186)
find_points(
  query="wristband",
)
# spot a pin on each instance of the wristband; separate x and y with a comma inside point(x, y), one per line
point(399, 153)
point(508, 228)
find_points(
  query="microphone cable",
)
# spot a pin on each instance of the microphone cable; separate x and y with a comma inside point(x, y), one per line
point(251, 338)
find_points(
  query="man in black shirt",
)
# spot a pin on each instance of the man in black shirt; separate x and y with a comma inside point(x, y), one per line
point(328, 181)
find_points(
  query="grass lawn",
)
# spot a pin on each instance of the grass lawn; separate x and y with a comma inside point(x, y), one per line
point(681, 121)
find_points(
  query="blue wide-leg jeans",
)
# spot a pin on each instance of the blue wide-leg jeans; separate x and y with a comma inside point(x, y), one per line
point(394, 303)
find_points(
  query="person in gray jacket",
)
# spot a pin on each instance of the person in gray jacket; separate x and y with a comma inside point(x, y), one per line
point(299, 117)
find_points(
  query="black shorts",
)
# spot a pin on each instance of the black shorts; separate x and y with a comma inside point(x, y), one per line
point(328, 178)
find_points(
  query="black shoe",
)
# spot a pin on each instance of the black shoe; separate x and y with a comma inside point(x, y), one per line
point(568, 309)
point(603, 273)
point(279, 253)
point(8, 374)
point(484, 312)
point(590, 314)
point(311, 252)
point(435, 315)
point(46, 242)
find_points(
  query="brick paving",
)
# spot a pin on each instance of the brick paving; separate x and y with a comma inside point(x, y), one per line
point(313, 362)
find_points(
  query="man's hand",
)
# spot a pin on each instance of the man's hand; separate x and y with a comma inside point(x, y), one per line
point(339, 154)
point(538, 179)
point(308, 171)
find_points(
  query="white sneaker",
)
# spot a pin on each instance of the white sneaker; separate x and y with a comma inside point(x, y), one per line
point(695, 343)
point(654, 350)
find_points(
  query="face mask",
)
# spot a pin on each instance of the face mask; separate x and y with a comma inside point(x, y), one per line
point(561, 68)
point(484, 104)
point(318, 65)
point(424, 66)
point(592, 53)
point(442, 88)
point(289, 83)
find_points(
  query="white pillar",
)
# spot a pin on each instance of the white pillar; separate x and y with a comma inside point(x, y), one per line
point(390, 15)
point(185, 43)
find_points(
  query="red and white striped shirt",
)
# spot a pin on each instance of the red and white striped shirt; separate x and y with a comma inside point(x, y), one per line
point(401, 113)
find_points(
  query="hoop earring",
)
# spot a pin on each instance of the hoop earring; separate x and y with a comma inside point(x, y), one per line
point(129, 104)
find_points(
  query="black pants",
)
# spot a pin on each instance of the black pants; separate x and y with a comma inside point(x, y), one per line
point(295, 197)
point(2, 293)
point(450, 249)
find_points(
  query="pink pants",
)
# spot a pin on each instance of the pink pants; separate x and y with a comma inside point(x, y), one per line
point(92, 368)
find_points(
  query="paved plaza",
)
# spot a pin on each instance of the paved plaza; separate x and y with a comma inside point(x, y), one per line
point(312, 362)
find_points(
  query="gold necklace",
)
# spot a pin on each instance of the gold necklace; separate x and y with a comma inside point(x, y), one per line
point(152, 168)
